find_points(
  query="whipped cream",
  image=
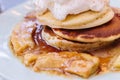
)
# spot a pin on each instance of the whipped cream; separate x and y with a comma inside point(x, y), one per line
point(61, 8)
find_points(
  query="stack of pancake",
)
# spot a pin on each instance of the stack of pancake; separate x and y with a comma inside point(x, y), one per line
point(85, 31)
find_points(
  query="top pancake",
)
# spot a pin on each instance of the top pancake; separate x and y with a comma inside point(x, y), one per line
point(83, 20)
point(106, 32)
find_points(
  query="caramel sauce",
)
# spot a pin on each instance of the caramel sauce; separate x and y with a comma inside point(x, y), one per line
point(40, 42)
point(41, 45)
point(106, 54)
point(104, 63)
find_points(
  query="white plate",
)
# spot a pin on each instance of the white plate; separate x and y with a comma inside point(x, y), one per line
point(10, 66)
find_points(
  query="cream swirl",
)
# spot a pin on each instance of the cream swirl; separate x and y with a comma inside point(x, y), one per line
point(61, 8)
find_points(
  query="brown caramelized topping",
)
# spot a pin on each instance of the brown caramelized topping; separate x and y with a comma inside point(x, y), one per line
point(109, 29)
point(40, 42)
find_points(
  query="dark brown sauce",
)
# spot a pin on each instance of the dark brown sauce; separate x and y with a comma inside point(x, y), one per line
point(41, 45)
point(40, 42)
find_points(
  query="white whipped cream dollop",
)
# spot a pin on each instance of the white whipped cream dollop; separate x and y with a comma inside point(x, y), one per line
point(61, 8)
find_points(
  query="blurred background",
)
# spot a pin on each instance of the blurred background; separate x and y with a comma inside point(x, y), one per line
point(7, 4)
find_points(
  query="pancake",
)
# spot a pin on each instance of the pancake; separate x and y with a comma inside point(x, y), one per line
point(83, 20)
point(63, 44)
point(106, 32)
